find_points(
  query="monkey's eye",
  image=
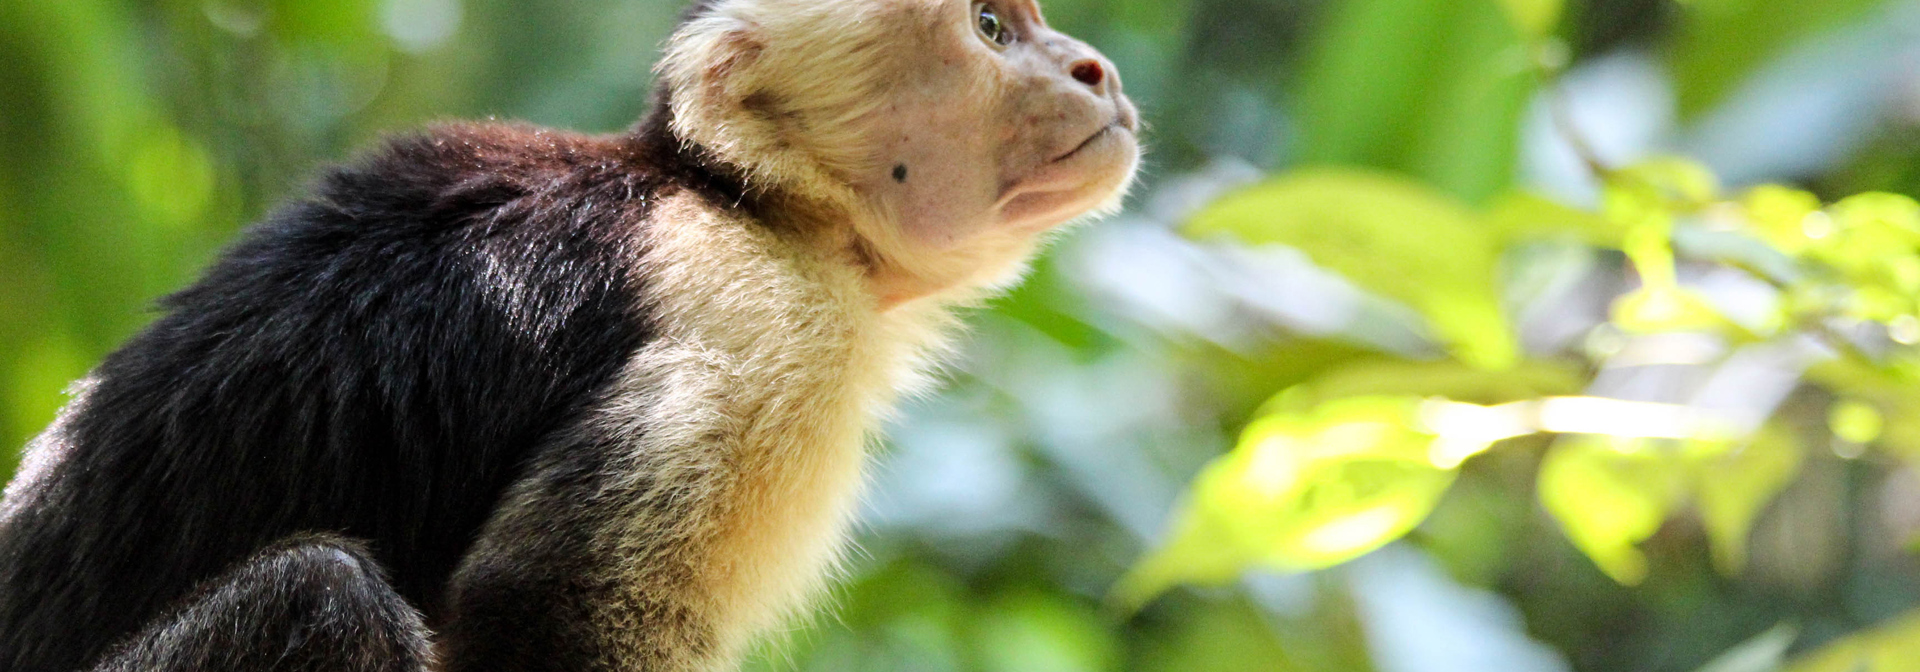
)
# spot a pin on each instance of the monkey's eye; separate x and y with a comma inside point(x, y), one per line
point(991, 28)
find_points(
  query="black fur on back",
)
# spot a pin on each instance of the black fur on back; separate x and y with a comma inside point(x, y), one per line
point(376, 362)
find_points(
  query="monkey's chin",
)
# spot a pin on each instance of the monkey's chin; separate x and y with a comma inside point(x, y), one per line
point(1083, 180)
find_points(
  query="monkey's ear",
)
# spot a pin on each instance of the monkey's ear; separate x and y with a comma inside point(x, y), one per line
point(711, 69)
point(715, 63)
point(754, 83)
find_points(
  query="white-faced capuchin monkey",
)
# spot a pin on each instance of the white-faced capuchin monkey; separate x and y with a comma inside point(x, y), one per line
point(496, 397)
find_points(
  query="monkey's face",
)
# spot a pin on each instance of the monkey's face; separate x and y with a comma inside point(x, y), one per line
point(962, 129)
point(1000, 125)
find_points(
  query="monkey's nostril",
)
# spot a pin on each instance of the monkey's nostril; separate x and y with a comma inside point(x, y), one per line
point(1088, 72)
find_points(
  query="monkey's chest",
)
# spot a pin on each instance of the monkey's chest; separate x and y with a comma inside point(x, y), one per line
point(772, 443)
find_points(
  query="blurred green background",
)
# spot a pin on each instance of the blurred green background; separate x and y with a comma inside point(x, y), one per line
point(1394, 201)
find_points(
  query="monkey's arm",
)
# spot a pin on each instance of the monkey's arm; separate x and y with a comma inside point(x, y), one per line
point(584, 568)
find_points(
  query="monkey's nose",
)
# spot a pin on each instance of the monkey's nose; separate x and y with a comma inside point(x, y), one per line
point(1089, 72)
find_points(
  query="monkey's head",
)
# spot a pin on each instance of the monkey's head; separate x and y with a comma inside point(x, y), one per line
point(953, 133)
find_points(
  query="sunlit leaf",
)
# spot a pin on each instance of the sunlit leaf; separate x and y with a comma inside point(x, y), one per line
point(1875, 209)
point(1375, 228)
point(1732, 487)
point(1855, 421)
point(1663, 183)
point(1787, 218)
point(1520, 215)
point(1609, 496)
point(1874, 246)
point(1645, 199)
point(1448, 379)
point(1534, 18)
point(1300, 492)
point(1890, 647)
point(1658, 309)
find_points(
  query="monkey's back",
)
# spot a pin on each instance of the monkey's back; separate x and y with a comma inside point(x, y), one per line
point(377, 361)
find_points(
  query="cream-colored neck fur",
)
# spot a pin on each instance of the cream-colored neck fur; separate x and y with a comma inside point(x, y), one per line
point(772, 366)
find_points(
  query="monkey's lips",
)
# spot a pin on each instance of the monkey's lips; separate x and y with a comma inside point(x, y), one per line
point(1097, 136)
point(1072, 183)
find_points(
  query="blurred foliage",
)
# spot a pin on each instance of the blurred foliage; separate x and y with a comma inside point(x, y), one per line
point(1516, 385)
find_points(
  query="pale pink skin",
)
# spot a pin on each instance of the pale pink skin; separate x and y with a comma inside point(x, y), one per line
point(1000, 140)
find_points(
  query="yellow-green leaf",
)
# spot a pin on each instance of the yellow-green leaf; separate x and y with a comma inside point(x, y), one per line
point(1534, 18)
point(1789, 219)
point(1519, 215)
point(1609, 495)
point(1890, 647)
point(1855, 421)
point(1896, 211)
point(1388, 234)
point(1658, 309)
point(1300, 491)
point(1410, 378)
point(1667, 182)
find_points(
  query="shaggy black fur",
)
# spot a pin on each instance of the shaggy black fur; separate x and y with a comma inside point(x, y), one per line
point(313, 603)
point(376, 362)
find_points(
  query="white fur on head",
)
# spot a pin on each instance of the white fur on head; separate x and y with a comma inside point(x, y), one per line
point(779, 88)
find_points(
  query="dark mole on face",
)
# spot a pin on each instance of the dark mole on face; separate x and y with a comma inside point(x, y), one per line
point(900, 172)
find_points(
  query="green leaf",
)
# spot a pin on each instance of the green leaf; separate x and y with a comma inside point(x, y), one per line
point(1732, 488)
point(1609, 495)
point(1875, 247)
point(1432, 88)
point(1658, 309)
point(1663, 185)
point(1644, 200)
point(1032, 630)
point(1534, 18)
point(1300, 492)
point(1784, 217)
point(1855, 421)
point(1378, 229)
point(1449, 379)
point(1521, 216)
point(1890, 647)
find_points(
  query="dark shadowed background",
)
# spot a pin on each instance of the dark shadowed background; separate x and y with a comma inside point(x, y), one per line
point(1402, 157)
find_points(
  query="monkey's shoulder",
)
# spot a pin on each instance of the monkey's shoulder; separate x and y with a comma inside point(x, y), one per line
point(458, 175)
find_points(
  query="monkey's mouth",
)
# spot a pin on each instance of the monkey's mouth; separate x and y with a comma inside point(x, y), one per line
point(1111, 127)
